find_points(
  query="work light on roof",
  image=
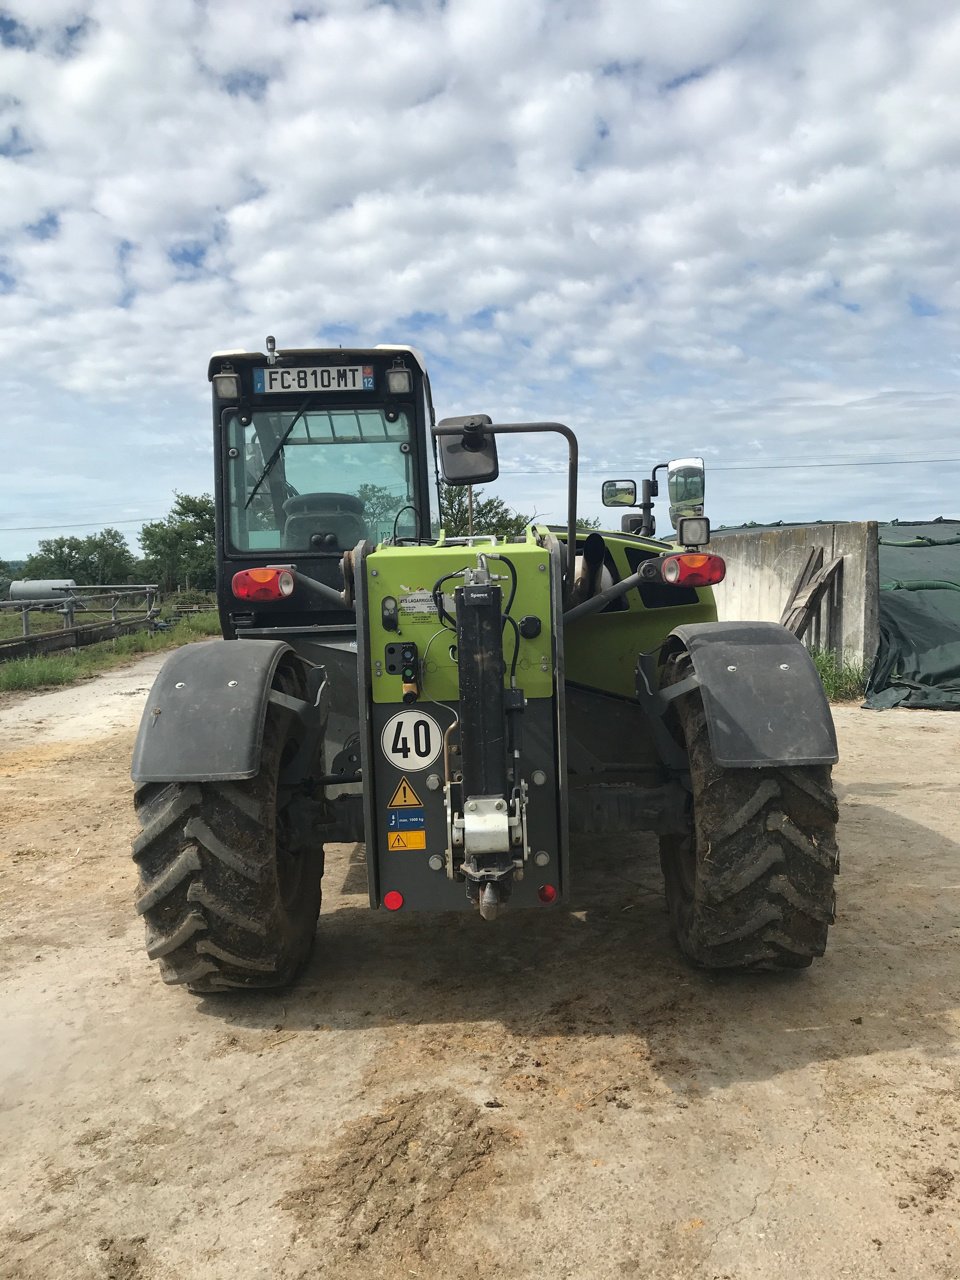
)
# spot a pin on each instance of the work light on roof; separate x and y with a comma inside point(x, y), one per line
point(227, 385)
point(399, 379)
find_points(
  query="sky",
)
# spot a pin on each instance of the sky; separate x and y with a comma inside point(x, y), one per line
point(725, 228)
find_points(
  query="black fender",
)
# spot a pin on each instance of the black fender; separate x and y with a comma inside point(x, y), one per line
point(762, 696)
point(204, 717)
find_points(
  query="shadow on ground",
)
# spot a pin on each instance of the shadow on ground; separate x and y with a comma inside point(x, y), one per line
point(607, 967)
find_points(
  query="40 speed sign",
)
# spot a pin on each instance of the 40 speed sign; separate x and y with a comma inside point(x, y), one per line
point(411, 740)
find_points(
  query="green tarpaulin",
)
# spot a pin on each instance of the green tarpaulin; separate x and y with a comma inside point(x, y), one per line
point(918, 659)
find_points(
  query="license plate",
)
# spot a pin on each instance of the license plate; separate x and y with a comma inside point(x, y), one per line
point(328, 377)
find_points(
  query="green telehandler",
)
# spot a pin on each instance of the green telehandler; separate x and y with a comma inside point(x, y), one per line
point(467, 707)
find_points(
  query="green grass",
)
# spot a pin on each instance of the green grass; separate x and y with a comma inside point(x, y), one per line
point(11, 623)
point(843, 681)
point(49, 670)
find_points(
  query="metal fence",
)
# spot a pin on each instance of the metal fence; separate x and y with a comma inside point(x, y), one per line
point(87, 615)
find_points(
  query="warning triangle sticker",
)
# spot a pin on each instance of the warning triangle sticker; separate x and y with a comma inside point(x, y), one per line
point(404, 797)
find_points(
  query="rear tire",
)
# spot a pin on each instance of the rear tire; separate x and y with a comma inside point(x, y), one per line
point(750, 886)
point(227, 898)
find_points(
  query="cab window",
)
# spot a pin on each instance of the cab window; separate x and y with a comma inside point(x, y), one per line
point(321, 481)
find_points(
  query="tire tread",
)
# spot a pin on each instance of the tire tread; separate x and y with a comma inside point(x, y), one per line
point(210, 892)
point(766, 857)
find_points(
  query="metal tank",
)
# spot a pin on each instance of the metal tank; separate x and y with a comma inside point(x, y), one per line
point(41, 588)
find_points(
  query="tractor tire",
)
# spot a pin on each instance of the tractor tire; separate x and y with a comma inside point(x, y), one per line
point(227, 899)
point(750, 886)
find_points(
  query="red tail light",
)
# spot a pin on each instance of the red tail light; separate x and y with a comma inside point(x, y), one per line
point(692, 569)
point(262, 584)
point(547, 894)
point(393, 900)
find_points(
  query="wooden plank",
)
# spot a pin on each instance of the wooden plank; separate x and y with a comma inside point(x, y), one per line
point(812, 563)
point(808, 600)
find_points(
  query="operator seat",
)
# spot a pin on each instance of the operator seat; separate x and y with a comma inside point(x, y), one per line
point(323, 522)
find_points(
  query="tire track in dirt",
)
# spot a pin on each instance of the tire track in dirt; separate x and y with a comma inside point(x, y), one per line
point(559, 1095)
point(395, 1183)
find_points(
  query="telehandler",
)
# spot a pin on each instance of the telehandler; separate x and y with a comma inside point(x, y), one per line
point(467, 707)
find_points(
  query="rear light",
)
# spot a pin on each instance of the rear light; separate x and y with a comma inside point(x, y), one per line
point(547, 893)
point(263, 584)
point(692, 569)
point(393, 900)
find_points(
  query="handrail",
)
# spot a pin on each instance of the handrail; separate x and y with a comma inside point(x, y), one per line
point(527, 428)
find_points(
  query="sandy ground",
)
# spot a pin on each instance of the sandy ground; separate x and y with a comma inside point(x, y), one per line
point(554, 1095)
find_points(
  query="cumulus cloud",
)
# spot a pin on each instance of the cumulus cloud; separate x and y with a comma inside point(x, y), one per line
point(679, 227)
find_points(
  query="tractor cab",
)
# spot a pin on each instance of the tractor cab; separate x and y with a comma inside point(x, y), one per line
point(317, 452)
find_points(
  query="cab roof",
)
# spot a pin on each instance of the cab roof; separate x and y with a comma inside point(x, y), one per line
point(289, 354)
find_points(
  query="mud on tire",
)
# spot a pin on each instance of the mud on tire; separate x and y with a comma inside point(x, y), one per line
point(227, 899)
point(751, 885)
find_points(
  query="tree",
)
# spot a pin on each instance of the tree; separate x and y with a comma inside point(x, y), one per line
point(56, 558)
point(107, 557)
point(380, 507)
point(96, 559)
point(490, 515)
point(181, 550)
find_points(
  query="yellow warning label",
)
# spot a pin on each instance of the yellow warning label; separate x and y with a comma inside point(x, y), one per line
point(405, 797)
point(406, 840)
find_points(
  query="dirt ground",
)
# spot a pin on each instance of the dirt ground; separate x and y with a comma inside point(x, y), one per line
point(554, 1095)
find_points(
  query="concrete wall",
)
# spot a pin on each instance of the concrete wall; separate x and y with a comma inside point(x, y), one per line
point(762, 567)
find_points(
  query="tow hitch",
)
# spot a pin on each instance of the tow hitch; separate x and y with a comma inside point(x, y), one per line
point(487, 841)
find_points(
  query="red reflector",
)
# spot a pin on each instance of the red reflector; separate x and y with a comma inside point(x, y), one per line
point(547, 893)
point(393, 900)
point(693, 569)
point(262, 584)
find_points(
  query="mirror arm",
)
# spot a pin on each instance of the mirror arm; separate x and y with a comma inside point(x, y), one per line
point(557, 428)
point(649, 490)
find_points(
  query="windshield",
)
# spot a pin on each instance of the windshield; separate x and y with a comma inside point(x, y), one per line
point(339, 476)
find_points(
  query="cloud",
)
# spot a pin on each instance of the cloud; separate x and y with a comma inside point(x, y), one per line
point(677, 227)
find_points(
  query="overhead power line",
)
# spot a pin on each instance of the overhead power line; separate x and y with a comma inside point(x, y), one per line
point(86, 524)
point(592, 471)
point(803, 466)
point(759, 466)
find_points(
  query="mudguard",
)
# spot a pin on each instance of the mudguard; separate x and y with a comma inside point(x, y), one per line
point(204, 717)
point(763, 699)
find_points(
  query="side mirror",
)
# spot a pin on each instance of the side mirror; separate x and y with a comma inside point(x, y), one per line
point(686, 482)
point(471, 456)
point(619, 493)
